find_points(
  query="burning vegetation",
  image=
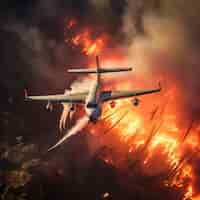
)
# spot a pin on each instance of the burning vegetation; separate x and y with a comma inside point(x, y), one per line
point(151, 138)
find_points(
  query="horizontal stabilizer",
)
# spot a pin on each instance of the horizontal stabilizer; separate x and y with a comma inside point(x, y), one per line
point(101, 70)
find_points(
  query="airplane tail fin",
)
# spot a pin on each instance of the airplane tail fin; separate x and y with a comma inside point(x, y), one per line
point(98, 70)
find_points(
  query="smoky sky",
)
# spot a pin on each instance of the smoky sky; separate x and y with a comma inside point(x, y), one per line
point(33, 54)
point(160, 36)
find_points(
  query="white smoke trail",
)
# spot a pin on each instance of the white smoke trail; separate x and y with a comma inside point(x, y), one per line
point(81, 85)
point(78, 86)
point(64, 116)
point(65, 113)
point(81, 123)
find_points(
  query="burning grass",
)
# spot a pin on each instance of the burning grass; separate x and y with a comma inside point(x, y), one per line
point(156, 138)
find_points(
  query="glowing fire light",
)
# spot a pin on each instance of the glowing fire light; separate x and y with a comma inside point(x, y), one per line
point(71, 23)
point(136, 130)
point(90, 45)
point(106, 195)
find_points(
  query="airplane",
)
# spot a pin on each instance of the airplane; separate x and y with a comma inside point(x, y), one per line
point(95, 96)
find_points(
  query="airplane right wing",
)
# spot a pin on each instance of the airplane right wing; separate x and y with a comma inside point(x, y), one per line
point(114, 95)
point(61, 98)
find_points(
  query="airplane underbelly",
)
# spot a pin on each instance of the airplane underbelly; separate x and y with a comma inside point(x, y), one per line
point(94, 113)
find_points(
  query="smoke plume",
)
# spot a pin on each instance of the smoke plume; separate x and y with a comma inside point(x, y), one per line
point(162, 42)
point(81, 123)
point(78, 86)
point(64, 116)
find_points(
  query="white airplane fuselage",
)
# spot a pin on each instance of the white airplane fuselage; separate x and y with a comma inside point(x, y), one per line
point(93, 104)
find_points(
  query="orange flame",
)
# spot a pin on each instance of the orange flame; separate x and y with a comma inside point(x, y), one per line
point(90, 44)
point(71, 23)
point(154, 134)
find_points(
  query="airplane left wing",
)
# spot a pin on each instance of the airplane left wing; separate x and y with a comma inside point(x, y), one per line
point(62, 98)
point(114, 95)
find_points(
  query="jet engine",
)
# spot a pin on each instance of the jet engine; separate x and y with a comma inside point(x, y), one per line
point(112, 104)
point(136, 101)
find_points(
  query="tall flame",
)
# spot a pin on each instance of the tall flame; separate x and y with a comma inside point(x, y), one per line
point(87, 40)
point(152, 132)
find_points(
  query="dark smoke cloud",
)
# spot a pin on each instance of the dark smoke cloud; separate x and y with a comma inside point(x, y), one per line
point(38, 31)
point(162, 37)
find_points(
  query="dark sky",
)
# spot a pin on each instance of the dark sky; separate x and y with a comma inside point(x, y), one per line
point(43, 21)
